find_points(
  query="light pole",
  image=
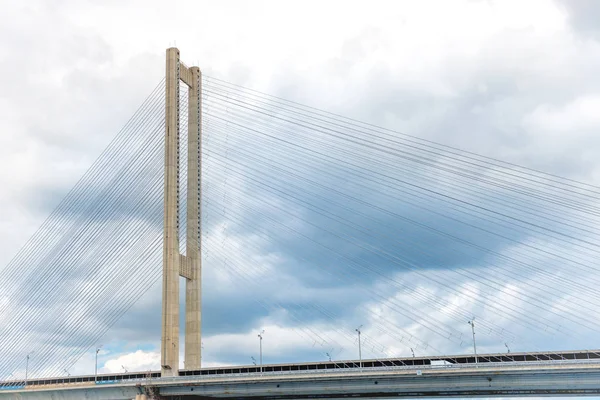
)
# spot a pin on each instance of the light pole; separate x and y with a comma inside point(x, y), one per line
point(124, 369)
point(253, 360)
point(472, 323)
point(359, 348)
point(413, 352)
point(260, 336)
point(96, 365)
point(328, 355)
point(507, 348)
point(27, 367)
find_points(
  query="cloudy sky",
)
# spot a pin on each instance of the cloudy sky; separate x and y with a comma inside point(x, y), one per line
point(513, 80)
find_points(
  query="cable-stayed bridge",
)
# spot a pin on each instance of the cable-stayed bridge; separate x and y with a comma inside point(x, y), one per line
point(415, 237)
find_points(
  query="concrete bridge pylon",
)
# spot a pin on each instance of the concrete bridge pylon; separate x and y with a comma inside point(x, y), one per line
point(176, 264)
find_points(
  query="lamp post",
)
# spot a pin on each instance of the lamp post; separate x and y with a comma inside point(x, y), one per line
point(359, 348)
point(96, 365)
point(260, 336)
point(27, 367)
point(413, 352)
point(472, 323)
point(328, 355)
point(253, 360)
point(507, 348)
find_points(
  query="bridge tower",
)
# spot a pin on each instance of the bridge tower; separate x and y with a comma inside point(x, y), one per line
point(176, 264)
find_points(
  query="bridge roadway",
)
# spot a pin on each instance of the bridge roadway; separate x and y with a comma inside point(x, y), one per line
point(572, 373)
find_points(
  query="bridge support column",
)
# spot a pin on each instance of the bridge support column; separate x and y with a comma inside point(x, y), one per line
point(193, 299)
point(174, 263)
point(170, 291)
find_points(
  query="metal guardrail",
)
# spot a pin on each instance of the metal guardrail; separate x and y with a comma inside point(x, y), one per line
point(359, 370)
point(312, 372)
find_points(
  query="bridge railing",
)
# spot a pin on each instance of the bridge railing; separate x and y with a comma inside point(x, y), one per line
point(364, 370)
point(301, 373)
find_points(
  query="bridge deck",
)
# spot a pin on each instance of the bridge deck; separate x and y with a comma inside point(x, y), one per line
point(573, 372)
point(327, 365)
point(523, 378)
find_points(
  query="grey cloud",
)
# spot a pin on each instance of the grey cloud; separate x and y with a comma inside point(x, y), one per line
point(583, 16)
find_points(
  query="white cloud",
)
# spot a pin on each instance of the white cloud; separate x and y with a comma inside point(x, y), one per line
point(136, 361)
point(570, 122)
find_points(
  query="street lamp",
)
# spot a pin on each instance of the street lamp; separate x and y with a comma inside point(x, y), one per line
point(328, 355)
point(260, 336)
point(507, 348)
point(27, 367)
point(124, 369)
point(96, 365)
point(472, 323)
point(413, 352)
point(359, 347)
point(253, 360)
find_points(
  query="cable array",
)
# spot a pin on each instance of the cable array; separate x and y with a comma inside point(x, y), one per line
point(385, 205)
point(74, 278)
point(407, 237)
